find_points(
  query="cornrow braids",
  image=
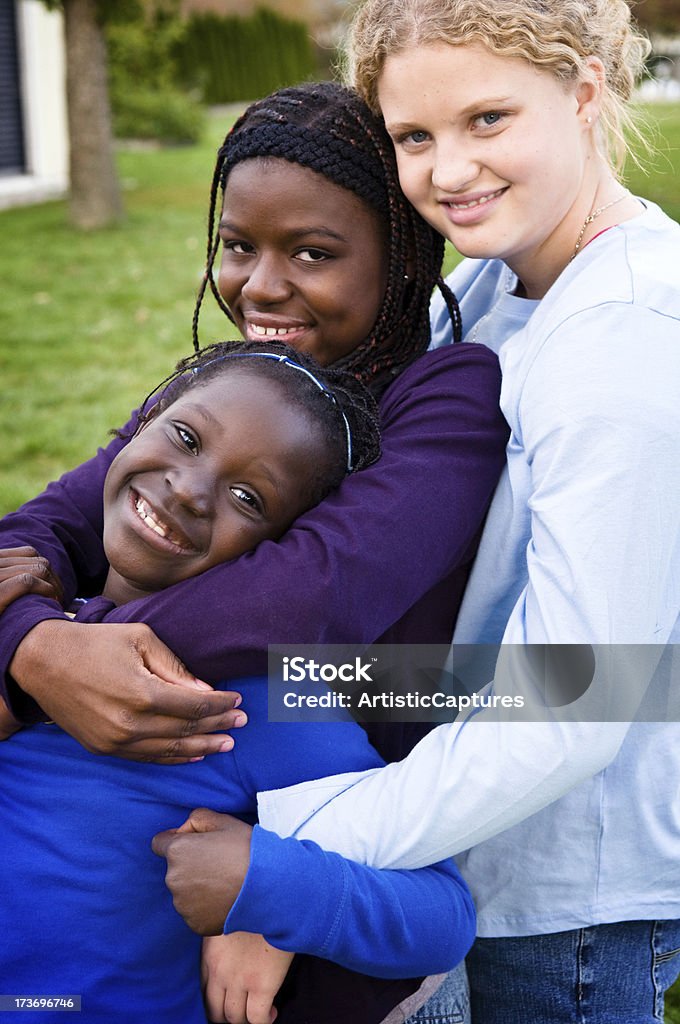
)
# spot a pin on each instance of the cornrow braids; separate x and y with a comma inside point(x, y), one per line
point(329, 129)
point(333, 400)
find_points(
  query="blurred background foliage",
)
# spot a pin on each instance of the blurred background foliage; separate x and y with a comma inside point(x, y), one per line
point(163, 68)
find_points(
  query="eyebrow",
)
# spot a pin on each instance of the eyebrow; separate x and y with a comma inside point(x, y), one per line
point(479, 106)
point(301, 233)
point(203, 412)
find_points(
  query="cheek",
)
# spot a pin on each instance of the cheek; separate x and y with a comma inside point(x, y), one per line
point(229, 280)
point(414, 177)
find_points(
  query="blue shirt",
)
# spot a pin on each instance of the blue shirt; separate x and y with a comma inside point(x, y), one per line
point(84, 909)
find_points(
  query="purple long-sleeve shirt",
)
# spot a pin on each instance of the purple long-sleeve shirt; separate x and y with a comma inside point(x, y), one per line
point(392, 545)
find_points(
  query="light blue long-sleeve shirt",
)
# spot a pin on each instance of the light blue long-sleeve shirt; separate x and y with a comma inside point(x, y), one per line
point(574, 822)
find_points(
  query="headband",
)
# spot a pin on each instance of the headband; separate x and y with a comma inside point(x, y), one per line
point(335, 158)
point(294, 366)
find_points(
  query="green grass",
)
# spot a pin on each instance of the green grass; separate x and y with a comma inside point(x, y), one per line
point(672, 1015)
point(89, 322)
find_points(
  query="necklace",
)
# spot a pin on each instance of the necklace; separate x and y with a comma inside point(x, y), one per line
point(589, 220)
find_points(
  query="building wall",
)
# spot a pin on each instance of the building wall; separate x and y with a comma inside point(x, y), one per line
point(43, 95)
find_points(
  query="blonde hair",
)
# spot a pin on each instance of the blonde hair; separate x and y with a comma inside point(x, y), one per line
point(556, 35)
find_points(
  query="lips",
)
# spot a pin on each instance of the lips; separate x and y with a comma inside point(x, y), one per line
point(475, 201)
point(159, 526)
point(271, 332)
point(258, 326)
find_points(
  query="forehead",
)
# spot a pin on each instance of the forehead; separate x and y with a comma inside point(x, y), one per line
point(238, 388)
point(458, 78)
point(249, 421)
point(290, 192)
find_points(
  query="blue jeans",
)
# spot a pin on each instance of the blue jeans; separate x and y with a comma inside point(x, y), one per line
point(450, 1004)
point(606, 974)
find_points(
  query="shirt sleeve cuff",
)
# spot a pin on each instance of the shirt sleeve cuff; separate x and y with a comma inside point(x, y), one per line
point(17, 621)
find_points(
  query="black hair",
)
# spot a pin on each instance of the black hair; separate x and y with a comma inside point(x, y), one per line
point(334, 401)
point(329, 128)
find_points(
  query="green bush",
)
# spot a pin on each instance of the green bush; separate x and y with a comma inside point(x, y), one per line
point(229, 58)
point(147, 100)
point(169, 116)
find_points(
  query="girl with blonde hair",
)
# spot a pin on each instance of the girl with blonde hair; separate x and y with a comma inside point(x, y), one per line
point(509, 120)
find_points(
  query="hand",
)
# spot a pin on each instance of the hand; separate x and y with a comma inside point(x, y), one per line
point(8, 723)
point(240, 975)
point(118, 690)
point(208, 858)
point(24, 571)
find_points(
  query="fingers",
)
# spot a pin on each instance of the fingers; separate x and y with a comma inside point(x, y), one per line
point(160, 661)
point(26, 560)
point(160, 844)
point(200, 820)
point(175, 751)
point(204, 820)
point(259, 1009)
point(245, 1007)
point(213, 997)
point(20, 585)
point(175, 713)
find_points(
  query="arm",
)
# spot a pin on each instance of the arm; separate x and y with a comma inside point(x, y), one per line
point(208, 858)
point(387, 924)
point(22, 572)
point(601, 436)
point(441, 429)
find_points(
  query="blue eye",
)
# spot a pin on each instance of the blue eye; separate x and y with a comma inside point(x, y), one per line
point(490, 119)
point(416, 137)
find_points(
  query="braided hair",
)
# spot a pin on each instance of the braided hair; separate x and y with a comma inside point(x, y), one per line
point(334, 401)
point(328, 128)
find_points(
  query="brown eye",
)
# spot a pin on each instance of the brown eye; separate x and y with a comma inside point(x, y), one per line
point(187, 439)
point(247, 497)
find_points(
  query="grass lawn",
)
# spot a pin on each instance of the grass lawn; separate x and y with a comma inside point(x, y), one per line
point(89, 322)
point(672, 1014)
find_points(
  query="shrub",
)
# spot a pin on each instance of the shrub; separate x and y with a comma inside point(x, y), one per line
point(229, 58)
point(169, 116)
point(147, 99)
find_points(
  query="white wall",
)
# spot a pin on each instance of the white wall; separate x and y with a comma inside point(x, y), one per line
point(43, 96)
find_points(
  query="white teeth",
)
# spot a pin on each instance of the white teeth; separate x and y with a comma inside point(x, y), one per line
point(271, 332)
point(476, 202)
point(147, 516)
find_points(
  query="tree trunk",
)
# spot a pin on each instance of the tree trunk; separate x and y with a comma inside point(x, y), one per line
point(95, 191)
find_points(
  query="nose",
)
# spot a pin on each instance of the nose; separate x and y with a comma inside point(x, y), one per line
point(267, 283)
point(455, 165)
point(191, 489)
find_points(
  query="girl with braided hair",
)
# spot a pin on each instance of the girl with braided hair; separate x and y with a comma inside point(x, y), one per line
point(320, 250)
point(244, 438)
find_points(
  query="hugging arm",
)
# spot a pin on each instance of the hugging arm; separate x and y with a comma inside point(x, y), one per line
point(389, 924)
point(443, 449)
point(605, 480)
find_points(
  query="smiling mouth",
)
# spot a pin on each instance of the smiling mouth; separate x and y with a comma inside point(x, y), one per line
point(153, 522)
point(258, 331)
point(476, 202)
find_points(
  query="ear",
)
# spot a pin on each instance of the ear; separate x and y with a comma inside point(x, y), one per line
point(589, 90)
